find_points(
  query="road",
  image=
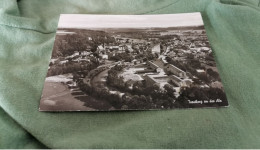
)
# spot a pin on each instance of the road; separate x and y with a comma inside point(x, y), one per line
point(100, 79)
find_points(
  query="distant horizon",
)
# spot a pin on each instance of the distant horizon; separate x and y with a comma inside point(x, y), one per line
point(85, 21)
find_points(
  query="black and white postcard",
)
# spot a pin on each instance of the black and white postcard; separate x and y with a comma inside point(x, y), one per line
point(131, 62)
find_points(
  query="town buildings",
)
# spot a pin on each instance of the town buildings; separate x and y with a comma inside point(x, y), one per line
point(160, 78)
point(176, 71)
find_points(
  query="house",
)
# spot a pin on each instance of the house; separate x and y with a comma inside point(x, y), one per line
point(176, 71)
point(100, 48)
point(53, 60)
point(89, 38)
point(154, 66)
point(180, 82)
point(129, 47)
point(150, 81)
point(156, 79)
point(156, 49)
point(192, 45)
point(200, 71)
point(76, 53)
point(121, 48)
point(63, 62)
point(112, 48)
point(84, 53)
point(104, 56)
point(135, 61)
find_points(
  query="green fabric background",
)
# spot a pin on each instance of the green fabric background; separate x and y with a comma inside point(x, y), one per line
point(27, 31)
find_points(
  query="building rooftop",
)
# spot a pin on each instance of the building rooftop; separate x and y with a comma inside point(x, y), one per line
point(176, 68)
point(152, 64)
point(200, 70)
point(174, 77)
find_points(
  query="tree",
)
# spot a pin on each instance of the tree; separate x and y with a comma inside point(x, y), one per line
point(93, 48)
point(169, 90)
point(104, 93)
point(150, 56)
point(127, 85)
point(213, 74)
point(143, 98)
point(194, 93)
point(138, 87)
point(121, 83)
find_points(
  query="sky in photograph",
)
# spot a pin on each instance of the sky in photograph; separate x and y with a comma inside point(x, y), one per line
point(129, 21)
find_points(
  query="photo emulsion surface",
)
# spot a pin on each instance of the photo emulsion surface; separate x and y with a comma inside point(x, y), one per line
point(131, 62)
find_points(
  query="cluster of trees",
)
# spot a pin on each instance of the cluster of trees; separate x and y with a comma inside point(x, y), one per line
point(63, 69)
point(169, 37)
point(213, 75)
point(137, 102)
point(122, 56)
point(131, 100)
point(96, 71)
point(82, 40)
point(113, 79)
point(101, 93)
point(70, 67)
point(151, 56)
point(147, 56)
point(161, 97)
point(198, 93)
point(142, 96)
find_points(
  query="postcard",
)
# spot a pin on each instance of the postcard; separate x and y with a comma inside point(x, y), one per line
point(131, 62)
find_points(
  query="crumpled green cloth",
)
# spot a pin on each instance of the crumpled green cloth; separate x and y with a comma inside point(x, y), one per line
point(27, 31)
